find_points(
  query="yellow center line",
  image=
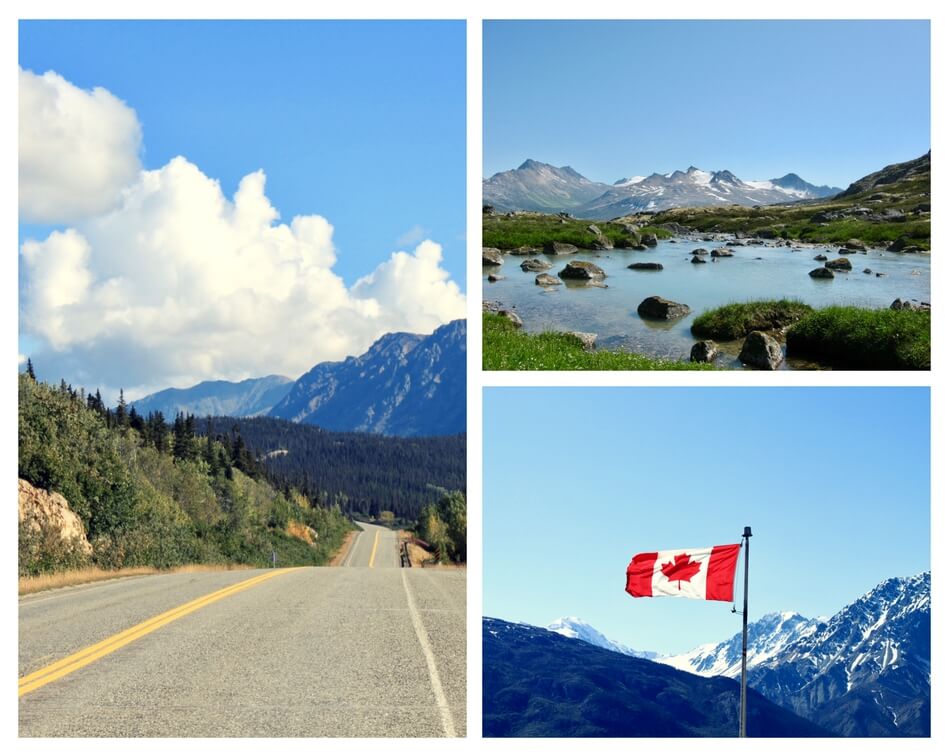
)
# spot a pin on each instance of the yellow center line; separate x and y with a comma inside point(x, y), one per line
point(78, 660)
point(377, 535)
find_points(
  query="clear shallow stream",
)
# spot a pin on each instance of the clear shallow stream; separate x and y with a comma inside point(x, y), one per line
point(781, 272)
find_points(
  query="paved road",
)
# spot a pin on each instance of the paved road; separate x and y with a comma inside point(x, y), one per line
point(373, 543)
point(363, 651)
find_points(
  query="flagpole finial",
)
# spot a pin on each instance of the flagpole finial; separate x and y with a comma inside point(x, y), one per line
point(747, 533)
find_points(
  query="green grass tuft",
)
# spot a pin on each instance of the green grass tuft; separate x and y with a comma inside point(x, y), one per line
point(735, 321)
point(857, 338)
point(534, 229)
point(504, 347)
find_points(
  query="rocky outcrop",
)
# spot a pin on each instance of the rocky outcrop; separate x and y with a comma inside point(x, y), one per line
point(602, 243)
point(588, 340)
point(841, 263)
point(700, 251)
point(910, 304)
point(697, 260)
point(546, 279)
point(649, 240)
point(559, 248)
point(657, 308)
point(722, 252)
point(491, 256)
point(703, 351)
point(510, 316)
point(45, 512)
point(646, 266)
point(534, 265)
point(581, 270)
point(761, 351)
point(821, 273)
point(855, 244)
point(820, 258)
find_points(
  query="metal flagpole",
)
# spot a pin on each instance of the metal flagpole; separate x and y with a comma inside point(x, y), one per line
point(744, 710)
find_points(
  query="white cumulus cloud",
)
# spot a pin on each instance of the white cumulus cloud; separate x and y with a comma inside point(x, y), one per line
point(179, 283)
point(77, 149)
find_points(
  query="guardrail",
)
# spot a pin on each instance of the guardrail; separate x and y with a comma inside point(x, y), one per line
point(404, 555)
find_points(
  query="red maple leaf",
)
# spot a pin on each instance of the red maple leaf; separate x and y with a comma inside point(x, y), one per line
point(680, 569)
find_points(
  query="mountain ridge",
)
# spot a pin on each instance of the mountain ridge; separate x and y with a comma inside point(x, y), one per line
point(863, 671)
point(253, 396)
point(538, 683)
point(403, 385)
point(541, 187)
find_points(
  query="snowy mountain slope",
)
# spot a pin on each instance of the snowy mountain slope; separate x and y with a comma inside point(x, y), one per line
point(545, 188)
point(767, 637)
point(575, 627)
point(541, 187)
point(870, 660)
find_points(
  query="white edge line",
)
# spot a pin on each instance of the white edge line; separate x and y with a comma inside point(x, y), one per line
point(445, 716)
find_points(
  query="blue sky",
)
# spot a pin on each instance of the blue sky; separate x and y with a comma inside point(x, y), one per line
point(168, 280)
point(828, 100)
point(362, 122)
point(833, 481)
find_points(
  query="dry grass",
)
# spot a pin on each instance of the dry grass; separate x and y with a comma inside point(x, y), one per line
point(342, 552)
point(47, 582)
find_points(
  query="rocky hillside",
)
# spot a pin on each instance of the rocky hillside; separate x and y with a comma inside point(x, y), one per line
point(540, 187)
point(404, 385)
point(538, 683)
point(48, 515)
point(866, 670)
point(255, 396)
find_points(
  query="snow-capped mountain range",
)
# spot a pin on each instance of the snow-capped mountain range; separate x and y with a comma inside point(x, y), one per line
point(863, 671)
point(575, 627)
point(546, 188)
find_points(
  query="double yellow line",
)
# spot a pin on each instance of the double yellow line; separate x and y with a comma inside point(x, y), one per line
point(86, 656)
point(377, 536)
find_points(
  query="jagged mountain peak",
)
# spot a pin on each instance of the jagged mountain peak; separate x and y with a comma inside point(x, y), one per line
point(404, 385)
point(545, 188)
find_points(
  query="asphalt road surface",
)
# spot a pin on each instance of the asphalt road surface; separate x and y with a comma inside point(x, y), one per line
point(360, 651)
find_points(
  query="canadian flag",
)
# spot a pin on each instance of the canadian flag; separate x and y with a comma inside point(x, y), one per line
point(688, 573)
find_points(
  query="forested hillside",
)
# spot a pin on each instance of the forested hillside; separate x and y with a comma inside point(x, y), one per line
point(150, 493)
point(360, 473)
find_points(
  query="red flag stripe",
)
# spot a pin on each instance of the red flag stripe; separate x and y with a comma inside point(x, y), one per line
point(720, 579)
point(640, 574)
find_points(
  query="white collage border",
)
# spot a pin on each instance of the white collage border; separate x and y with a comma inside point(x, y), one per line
point(474, 13)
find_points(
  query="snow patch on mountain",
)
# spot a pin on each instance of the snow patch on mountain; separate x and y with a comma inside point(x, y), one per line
point(575, 627)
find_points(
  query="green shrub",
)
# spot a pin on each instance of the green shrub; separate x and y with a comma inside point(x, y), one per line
point(857, 338)
point(735, 321)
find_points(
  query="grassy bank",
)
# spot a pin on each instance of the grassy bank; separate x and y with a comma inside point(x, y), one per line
point(735, 321)
point(506, 348)
point(534, 229)
point(860, 339)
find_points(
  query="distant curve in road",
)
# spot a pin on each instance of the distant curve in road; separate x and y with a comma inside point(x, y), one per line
point(368, 651)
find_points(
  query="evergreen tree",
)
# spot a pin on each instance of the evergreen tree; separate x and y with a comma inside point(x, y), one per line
point(29, 369)
point(121, 411)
